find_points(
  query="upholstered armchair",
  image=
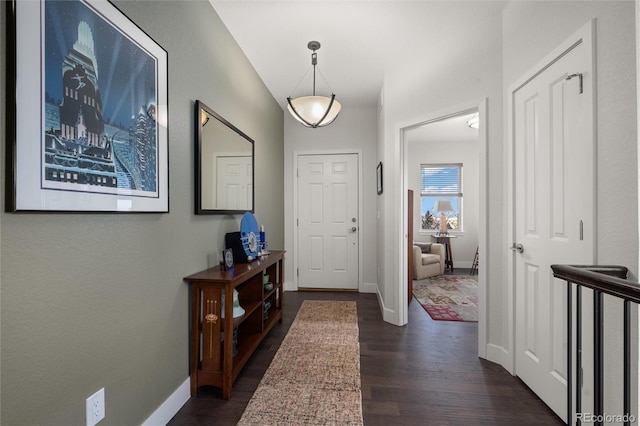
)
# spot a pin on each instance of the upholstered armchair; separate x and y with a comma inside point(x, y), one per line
point(428, 260)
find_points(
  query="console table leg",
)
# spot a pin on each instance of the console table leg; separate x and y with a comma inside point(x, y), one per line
point(227, 366)
point(195, 339)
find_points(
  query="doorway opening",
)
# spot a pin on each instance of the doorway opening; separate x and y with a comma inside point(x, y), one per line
point(410, 135)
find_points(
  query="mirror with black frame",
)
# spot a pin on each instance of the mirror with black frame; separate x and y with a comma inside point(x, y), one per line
point(224, 165)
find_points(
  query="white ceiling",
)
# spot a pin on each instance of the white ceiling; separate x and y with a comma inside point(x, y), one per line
point(360, 39)
point(452, 129)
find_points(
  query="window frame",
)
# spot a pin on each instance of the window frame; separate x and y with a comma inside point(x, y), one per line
point(443, 195)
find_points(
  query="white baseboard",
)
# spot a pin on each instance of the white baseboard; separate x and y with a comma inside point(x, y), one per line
point(290, 286)
point(388, 315)
point(368, 288)
point(364, 288)
point(170, 406)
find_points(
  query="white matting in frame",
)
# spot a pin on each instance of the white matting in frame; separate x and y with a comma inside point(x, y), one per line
point(91, 116)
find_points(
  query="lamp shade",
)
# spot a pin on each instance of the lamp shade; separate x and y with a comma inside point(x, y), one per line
point(443, 206)
point(311, 111)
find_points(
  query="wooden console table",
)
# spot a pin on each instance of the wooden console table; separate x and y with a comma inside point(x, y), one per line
point(212, 358)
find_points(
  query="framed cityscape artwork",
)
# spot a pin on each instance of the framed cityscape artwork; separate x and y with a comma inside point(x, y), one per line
point(87, 122)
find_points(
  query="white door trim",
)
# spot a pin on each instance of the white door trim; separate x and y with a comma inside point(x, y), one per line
point(483, 219)
point(361, 223)
point(584, 35)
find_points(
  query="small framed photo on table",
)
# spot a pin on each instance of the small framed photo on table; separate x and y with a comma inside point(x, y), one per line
point(227, 256)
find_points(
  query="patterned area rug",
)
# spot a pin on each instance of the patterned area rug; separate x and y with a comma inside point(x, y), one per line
point(449, 297)
point(314, 378)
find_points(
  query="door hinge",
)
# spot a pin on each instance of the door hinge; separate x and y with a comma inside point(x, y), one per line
point(297, 222)
point(579, 75)
point(297, 272)
point(297, 173)
point(581, 230)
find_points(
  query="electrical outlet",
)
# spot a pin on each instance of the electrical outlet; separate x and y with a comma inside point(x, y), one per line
point(95, 408)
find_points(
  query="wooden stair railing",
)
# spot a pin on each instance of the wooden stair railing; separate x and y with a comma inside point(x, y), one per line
point(602, 280)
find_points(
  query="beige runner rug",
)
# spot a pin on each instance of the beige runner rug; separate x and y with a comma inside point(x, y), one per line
point(314, 377)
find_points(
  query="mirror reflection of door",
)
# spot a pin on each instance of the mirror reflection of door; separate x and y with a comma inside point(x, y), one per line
point(227, 169)
point(224, 156)
point(234, 178)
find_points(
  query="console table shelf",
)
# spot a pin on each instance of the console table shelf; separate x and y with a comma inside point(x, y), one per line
point(212, 358)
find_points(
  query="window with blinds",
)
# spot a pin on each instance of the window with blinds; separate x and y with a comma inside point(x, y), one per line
point(441, 182)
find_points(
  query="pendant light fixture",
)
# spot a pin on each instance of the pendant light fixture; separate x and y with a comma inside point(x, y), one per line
point(314, 111)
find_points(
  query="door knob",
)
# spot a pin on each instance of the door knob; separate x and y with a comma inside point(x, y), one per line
point(517, 247)
point(353, 229)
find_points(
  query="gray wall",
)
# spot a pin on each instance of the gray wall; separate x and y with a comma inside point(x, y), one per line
point(97, 300)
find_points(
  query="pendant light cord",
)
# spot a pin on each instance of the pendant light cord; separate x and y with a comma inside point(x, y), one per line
point(300, 81)
point(314, 64)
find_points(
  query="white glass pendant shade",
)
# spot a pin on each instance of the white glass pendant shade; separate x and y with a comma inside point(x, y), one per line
point(310, 110)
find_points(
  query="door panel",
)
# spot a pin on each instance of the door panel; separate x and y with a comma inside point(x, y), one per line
point(340, 253)
point(553, 194)
point(328, 221)
point(234, 182)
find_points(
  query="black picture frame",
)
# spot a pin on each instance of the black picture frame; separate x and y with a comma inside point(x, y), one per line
point(216, 139)
point(379, 177)
point(89, 131)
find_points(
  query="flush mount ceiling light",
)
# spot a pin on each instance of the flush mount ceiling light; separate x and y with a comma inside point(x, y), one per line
point(474, 121)
point(314, 111)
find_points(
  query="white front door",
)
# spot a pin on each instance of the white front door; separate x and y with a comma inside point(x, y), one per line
point(234, 179)
point(554, 213)
point(328, 223)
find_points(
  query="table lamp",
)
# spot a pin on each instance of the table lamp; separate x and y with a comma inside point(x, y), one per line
point(443, 206)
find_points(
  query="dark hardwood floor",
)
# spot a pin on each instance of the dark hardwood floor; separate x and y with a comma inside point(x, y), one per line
point(425, 373)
